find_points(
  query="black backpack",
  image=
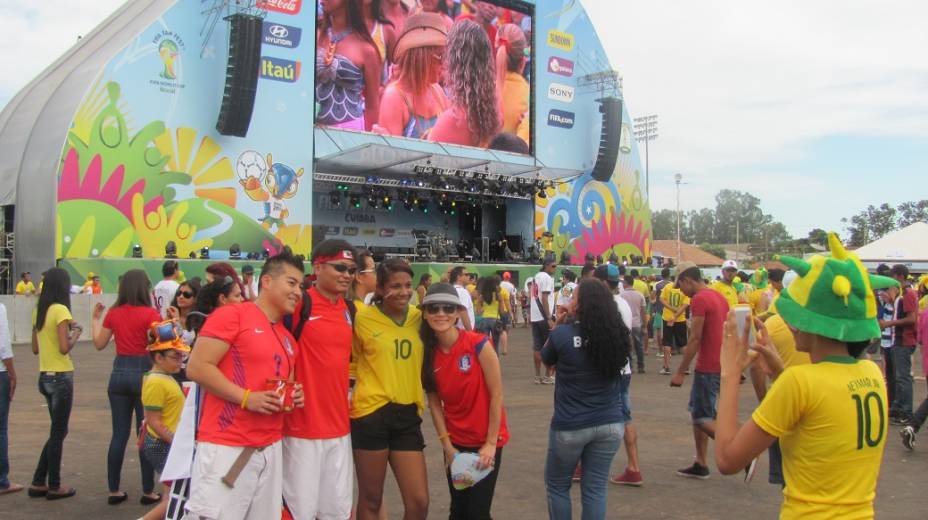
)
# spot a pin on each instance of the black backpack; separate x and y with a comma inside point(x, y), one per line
point(306, 308)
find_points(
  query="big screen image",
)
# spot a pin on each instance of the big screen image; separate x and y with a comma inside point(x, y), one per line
point(455, 72)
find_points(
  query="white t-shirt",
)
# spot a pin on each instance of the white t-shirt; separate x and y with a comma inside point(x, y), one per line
point(624, 310)
point(6, 347)
point(543, 284)
point(510, 288)
point(163, 294)
point(468, 304)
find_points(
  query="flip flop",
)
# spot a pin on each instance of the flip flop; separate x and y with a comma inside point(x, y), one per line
point(117, 499)
point(37, 492)
point(56, 495)
point(12, 488)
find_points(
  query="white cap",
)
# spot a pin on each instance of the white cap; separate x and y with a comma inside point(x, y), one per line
point(729, 264)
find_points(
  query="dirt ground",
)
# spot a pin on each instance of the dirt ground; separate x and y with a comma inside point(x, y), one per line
point(665, 444)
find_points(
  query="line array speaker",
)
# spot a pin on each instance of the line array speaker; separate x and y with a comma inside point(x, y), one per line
point(238, 98)
point(611, 109)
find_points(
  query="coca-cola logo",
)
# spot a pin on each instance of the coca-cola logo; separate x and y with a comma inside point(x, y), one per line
point(281, 6)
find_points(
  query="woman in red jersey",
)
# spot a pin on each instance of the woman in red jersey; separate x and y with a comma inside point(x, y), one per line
point(462, 380)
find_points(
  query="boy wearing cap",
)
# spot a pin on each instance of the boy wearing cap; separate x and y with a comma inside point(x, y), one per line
point(709, 310)
point(830, 416)
point(507, 288)
point(541, 314)
point(726, 286)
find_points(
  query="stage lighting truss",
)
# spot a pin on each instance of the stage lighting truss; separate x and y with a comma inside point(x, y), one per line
point(446, 180)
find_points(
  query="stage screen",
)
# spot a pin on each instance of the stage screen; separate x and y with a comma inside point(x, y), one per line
point(427, 69)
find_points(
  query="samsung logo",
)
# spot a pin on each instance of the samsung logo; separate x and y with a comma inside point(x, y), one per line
point(562, 93)
point(561, 118)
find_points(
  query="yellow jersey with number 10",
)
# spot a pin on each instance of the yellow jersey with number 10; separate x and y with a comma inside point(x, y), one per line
point(832, 419)
point(672, 297)
point(388, 360)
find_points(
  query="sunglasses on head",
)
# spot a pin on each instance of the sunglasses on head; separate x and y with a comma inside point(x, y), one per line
point(228, 280)
point(342, 268)
point(445, 308)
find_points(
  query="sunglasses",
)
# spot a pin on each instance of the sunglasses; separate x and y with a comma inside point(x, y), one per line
point(445, 308)
point(342, 268)
point(228, 280)
point(186, 294)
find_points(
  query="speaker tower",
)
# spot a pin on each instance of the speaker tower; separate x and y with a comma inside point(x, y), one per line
point(238, 98)
point(611, 109)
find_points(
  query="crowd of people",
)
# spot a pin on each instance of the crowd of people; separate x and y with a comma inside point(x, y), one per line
point(299, 389)
point(453, 72)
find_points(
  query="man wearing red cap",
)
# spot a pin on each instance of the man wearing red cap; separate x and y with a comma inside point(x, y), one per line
point(508, 291)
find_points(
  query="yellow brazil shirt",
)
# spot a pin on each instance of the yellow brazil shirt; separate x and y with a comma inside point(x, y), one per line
point(832, 420)
point(783, 340)
point(728, 291)
point(50, 357)
point(673, 297)
point(160, 392)
point(504, 300)
point(490, 310)
point(388, 361)
point(25, 288)
point(641, 287)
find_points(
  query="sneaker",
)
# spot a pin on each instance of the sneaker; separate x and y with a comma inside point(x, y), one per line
point(660, 354)
point(697, 470)
point(908, 437)
point(749, 471)
point(899, 421)
point(629, 478)
point(665, 372)
point(687, 371)
point(577, 474)
point(538, 380)
point(547, 380)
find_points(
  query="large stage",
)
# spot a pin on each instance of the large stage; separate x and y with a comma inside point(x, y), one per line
point(110, 269)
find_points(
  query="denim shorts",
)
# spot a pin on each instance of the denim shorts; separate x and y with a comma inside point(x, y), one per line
point(156, 451)
point(703, 396)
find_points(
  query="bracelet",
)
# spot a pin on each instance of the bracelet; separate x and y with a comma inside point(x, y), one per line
point(444, 436)
point(245, 398)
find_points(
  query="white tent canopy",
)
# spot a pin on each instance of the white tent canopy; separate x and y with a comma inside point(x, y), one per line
point(907, 246)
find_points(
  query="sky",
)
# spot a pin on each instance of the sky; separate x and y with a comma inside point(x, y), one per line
point(817, 108)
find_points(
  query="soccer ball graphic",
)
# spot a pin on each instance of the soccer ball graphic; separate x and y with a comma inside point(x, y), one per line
point(250, 164)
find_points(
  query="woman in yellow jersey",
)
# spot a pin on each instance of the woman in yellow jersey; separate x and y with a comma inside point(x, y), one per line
point(829, 416)
point(387, 402)
point(54, 334)
point(488, 308)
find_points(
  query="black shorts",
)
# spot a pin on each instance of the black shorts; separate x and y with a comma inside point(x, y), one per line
point(674, 335)
point(540, 332)
point(394, 427)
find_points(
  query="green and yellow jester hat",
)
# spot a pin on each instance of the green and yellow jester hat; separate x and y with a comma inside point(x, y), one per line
point(759, 278)
point(833, 297)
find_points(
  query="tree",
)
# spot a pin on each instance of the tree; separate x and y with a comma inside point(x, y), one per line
point(701, 226)
point(872, 224)
point(713, 250)
point(664, 224)
point(818, 236)
point(738, 217)
point(912, 212)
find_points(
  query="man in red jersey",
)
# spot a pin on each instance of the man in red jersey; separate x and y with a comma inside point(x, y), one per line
point(318, 465)
point(237, 470)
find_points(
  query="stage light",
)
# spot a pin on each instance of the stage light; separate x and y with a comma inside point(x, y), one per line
point(170, 249)
point(204, 253)
point(266, 254)
point(335, 198)
point(371, 179)
point(235, 251)
point(137, 251)
point(355, 201)
point(423, 205)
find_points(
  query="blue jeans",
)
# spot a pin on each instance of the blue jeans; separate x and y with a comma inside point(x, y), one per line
point(594, 447)
point(125, 394)
point(488, 327)
point(58, 390)
point(4, 422)
point(902, 362)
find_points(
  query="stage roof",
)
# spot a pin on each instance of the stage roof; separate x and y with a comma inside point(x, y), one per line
point(343, 152)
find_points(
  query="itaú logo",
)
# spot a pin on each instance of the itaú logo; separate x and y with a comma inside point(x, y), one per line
point(280, 70)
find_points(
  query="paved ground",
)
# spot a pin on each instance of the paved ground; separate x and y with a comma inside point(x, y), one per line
point(665, 444)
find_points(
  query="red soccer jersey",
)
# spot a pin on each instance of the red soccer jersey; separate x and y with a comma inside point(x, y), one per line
point(258, 350)
point(322, 369)
point(463, 392)
point(130, 325)
point(713, 307)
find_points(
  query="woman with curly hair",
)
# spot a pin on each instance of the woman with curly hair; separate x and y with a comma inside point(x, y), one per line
point(591, 355)
point(348, 68)
point(412, 103)
point(473, 117)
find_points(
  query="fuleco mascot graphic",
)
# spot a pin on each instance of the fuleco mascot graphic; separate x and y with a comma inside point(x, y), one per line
point(167, 50)
point(268, 182)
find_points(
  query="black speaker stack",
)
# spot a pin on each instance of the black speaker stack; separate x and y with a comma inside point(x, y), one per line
point(611, 109)
point(238, 98)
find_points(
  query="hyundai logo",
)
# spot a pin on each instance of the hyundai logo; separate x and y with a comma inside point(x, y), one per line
point(278, 31)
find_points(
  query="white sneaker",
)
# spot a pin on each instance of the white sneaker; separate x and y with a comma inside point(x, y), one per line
point(547, 380)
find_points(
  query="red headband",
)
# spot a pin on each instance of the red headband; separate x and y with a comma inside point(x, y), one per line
point(341, 255)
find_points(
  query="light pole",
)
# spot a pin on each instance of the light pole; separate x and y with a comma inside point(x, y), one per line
point(646, 131)
point(677, 178)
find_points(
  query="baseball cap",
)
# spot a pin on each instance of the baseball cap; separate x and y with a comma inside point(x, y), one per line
point(441, 293)
point(729, 264)
point(248, 269)
point(507, 275)
point(682, 267)
point(607, 273)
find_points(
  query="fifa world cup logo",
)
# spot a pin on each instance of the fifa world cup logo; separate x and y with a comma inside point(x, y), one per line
point(168, 52)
